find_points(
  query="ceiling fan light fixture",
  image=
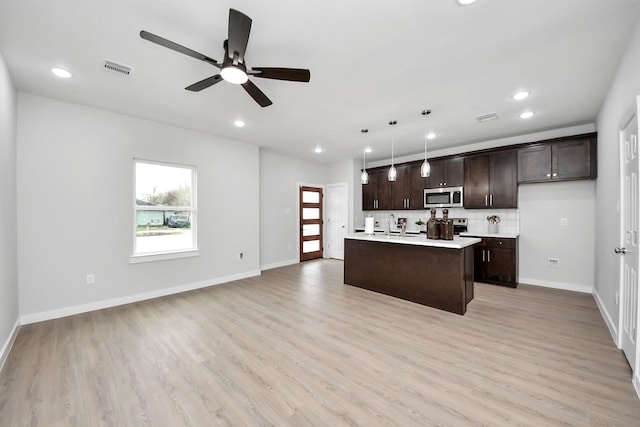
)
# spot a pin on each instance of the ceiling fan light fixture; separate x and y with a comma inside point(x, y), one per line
point(234, 75)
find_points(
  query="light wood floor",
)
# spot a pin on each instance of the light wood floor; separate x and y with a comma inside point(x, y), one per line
point(296, 347)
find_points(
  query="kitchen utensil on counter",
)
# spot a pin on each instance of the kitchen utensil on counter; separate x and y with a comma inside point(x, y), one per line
point(493, 223)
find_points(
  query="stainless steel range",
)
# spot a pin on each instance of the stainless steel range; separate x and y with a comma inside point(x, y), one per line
point(459, 225)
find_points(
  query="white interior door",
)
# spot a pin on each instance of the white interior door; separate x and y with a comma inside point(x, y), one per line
point(628, 248)
point(336, 219)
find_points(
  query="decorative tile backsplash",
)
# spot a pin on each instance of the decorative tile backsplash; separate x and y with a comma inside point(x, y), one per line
point(509, 218)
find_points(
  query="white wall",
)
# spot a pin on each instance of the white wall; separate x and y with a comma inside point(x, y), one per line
point(279, 180)
point(75, 192)
point(620, 98)
point(542, 236)
point(8, 214)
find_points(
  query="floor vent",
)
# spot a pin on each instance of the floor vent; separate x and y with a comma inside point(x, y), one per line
point(487, 117)
point(123, 70)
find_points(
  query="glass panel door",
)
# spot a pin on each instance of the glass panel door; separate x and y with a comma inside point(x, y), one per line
point(310, 223)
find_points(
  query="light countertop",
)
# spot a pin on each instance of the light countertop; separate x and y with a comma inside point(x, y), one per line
point(416, 239)
point(498, 235)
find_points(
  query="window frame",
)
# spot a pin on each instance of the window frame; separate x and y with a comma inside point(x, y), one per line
point(193, 213)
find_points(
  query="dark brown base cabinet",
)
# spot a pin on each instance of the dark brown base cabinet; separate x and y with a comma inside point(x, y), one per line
point(496, 261)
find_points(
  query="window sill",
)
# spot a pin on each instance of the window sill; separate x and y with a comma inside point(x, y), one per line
point(136, 259)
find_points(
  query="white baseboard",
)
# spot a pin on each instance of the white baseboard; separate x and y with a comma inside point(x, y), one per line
point(636, 384)
point(611, 325)
point(98, 305)
point(556, 285)
point(279, 264)
point(4, 354)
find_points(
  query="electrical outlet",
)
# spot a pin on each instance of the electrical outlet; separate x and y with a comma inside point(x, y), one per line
point(91, 279)
point(553, 263)
point(240, 256)
point(563, 222)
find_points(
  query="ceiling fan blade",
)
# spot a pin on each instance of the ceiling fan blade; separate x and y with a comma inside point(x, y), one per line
point(203, 84)
point(290, 74)
point(178, 48)
point(239, 29)
point(256, 94)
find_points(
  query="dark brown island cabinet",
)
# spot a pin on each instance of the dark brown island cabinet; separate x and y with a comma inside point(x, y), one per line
point(414, 269)
point(491, 180)
point(496, 261)
point(568, 159)
point(447, 172)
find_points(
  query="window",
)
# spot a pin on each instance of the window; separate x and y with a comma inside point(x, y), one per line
point(164, 211)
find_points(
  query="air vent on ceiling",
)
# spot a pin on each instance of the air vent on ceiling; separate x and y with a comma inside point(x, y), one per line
point(115, 67)
point(487, 117)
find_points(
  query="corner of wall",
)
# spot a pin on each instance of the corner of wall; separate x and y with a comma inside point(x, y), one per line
point(611, 325)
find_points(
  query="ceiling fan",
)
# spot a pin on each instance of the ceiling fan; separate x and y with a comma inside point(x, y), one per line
point(233, 68)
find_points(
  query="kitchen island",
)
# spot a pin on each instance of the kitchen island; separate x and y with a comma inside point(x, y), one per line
point(436, 273)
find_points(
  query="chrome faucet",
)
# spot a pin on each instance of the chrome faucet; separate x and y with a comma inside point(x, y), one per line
point(392, 219)
point(403, 230)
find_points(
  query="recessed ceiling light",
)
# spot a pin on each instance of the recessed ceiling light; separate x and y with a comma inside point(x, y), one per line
point(63, 74)
point(526, 115)
point(238, 123)
point(465, 2)
point(367, 150)
point(318, 150)
point(431, 135)
point(521, 95)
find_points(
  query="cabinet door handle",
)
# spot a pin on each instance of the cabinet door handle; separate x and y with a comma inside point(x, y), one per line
point(555, 174)
point(491, 200)
point(548, 175)
point(445, 184)
point(485, 200)
point(483, 255)
point(408, 202)
point(488, 255)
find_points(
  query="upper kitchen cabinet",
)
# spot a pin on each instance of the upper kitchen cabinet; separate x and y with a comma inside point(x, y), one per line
point(407, 191)
point(376, 195)
point(491, 180)
point(446, 173)
point(568, 159)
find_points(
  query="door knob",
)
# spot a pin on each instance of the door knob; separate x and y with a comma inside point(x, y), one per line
point(620, 250)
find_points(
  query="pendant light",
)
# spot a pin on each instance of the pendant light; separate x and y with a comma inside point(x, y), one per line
point(364, 178)
point(425, 169)
point(393, 174)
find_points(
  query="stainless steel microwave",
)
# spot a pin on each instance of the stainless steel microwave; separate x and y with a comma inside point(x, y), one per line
point(444, 197)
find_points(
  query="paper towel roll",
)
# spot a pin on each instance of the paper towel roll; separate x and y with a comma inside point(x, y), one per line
point(368, 225)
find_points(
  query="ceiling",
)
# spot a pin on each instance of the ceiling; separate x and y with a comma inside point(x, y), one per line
point(371, 62)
